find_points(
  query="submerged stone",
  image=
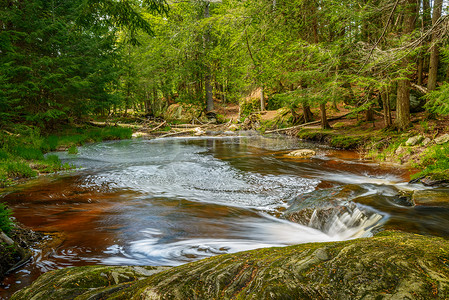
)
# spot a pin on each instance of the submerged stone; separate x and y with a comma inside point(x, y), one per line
point(392, 265)
point(302, 153)
point(434, 197)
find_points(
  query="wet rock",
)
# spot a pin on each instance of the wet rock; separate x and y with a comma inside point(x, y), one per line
point(302, 153)
point(431, 180)
point(331, 210)
point(435, 197)
point(442, 139)
point(404, 198)
point(92, 282)
point(413, 141)
point(392, 265)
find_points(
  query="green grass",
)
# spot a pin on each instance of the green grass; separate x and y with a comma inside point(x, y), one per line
point(80, 136)
point(28, 153)
point(22, 149)
point(18, 169)
point(346, 142)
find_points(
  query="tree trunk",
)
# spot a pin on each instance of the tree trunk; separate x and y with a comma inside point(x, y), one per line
point(262, 99)
point(387, 110)
point(403, 92)
point(433, 67)
point(308, 116)
point(403, 104)
point(369, 114)
point(324, 122)
point(420, 68)
point(207, 78)
point(209, 96)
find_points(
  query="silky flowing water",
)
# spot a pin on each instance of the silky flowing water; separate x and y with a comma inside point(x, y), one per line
point(171, 201)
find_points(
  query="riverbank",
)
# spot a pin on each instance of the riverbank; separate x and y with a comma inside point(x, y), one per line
point(22, 157)
point(22, 149)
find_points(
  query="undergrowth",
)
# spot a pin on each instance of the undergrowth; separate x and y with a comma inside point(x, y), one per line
point(434, 162)
point(5, 221)
point(22, 149)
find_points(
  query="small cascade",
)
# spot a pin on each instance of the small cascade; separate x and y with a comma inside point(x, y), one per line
point(355, 222)
point(340, 220)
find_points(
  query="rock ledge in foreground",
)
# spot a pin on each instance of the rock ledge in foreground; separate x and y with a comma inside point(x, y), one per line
point(392, 265)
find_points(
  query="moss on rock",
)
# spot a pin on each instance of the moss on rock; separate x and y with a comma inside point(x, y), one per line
point(390, 265)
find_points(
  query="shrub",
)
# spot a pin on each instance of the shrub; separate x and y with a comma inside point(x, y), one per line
point(29, 153)
point(52, 142)
point(54, 159)
point(72, 150)
point(116, 133)
point(248, 106)
point(19, 169)
point(435, 162)
point(5, 222)
point(3, 154)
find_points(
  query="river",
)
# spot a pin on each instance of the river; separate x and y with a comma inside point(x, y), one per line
point(175, 200)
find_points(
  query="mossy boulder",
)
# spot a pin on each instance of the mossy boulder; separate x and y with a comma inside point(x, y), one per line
point(282, 118)
point(182, 113)
point(89, 282)
point(392, 265)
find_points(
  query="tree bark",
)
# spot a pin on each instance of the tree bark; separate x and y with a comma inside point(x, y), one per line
point(209, 96)
point(308, 116)
point(369, 115)
point(262, 99)
point(207, 77)
point(387, 110)
point(403, 91)
point(434, 52)
point(324, 122)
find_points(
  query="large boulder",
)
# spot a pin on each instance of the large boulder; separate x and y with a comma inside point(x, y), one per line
point(184, 113)
point(392, 265)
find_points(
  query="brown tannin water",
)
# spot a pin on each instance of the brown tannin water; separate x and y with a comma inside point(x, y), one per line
point(172, 201)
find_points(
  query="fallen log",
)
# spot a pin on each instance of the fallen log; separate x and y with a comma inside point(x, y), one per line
point(420, 88)
point(305, 124)
point(176, 133)
point(157, 127)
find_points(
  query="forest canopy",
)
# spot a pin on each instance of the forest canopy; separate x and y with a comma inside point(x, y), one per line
point(65, 60)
